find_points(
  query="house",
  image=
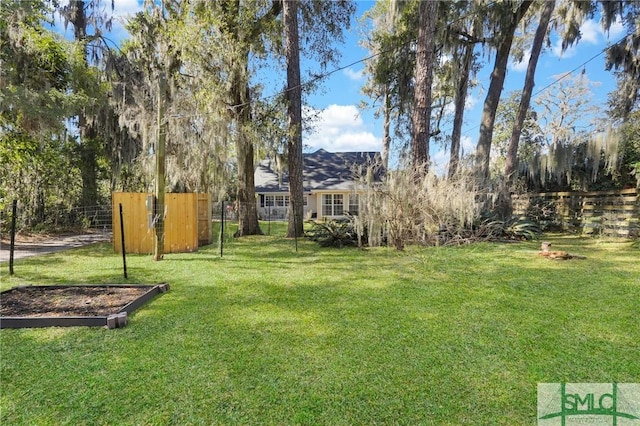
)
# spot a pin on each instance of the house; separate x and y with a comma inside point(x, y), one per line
point(329, 184)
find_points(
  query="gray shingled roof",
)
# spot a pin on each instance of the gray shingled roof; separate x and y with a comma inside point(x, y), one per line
point(322, 171)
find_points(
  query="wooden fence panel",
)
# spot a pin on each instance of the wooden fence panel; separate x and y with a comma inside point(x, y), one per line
point(136, 218)
point(612, 213)
point(181, 225)
point(205, 235)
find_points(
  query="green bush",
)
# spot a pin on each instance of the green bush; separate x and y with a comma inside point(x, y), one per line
point(334, 233)
point(514, 228)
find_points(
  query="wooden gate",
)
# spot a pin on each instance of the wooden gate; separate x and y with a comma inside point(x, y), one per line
point(187, 222)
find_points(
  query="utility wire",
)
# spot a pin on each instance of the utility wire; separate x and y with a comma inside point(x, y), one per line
point(563, 76)
point(326, 74)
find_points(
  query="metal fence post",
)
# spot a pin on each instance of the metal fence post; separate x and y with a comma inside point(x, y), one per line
point(221, 228)
point(12, 244)
point(124, 255)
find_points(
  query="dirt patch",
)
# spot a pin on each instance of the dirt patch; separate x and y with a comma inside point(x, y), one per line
point(37, 244)
point(51, 301)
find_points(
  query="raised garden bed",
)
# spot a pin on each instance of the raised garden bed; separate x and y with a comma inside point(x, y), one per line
point(74, 305)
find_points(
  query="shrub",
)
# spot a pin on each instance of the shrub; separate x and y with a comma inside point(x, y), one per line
point(334, 233)
point(514, 228)
point(411, 206)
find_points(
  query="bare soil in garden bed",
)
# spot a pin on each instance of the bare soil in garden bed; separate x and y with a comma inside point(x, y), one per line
point(66, 301)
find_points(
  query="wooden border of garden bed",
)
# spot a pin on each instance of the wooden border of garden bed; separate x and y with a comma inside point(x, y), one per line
point(118, 319)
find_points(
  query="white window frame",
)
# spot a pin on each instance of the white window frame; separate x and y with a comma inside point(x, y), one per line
point(274, 200)
point(333, 204)
point(354, 204)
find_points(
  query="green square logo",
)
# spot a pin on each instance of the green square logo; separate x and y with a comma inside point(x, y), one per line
point(573, 404)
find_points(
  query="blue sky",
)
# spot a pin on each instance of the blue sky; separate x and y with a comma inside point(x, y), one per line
point(342, 126)
point(339, 130)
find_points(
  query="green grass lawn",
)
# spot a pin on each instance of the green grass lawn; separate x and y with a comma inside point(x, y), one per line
point(265, 335)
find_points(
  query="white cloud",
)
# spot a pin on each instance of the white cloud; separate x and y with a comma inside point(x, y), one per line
point(126, 7)
point(556, 49)
point(523, 64)
point(590, 32)
point(122, 11)
point(469, 103)
point(468, 145)
point(440, 159)
point(615, 31)
point(340, 128)
point(353, 74)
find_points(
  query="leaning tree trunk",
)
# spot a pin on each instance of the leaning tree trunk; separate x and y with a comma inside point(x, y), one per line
point(460, 99)
point(525, 100)
point(294, 107)
point(483, 148)
point(421, 115)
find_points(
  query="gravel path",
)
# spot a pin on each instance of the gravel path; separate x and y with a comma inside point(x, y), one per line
point(51, 244)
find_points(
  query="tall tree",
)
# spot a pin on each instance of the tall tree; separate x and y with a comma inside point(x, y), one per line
point(75, 12)
point(37, 72)
point(390, 69)
point(176, 43)
point(463, 34)
point(531, 138)
point(421, 116)
point(510, 14)
point(242, 38)
point(459, 104)
point(294, 109)
point(538, 41)
point(624, 56)
point(568, 120)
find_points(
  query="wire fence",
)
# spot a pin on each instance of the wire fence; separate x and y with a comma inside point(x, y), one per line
point(271, 220)
point(57, 219)
point(230, 211)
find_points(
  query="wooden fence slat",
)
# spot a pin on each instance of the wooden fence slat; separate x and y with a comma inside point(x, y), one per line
point(181, 222)
point(607, 212)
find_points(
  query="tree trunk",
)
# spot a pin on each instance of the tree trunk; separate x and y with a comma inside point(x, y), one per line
point(421, 115)
point(88, 154)
point(460, 99)
point(87, 148)
point(294, 109)
point(483, 148)
point(525, 100)
point(386, 135)
point(158, 243)
point(241, 115)
point(246, 195)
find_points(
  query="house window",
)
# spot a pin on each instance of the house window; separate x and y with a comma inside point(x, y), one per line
point(353, 204)
point(282, 200)
point(274, 200)
point(277, 200)
point(266, 200)
point(332, 205)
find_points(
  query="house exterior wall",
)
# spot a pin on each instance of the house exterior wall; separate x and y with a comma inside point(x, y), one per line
point(275, 205)
point(328, 181)
point(314, 209)
point(319, 198)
